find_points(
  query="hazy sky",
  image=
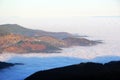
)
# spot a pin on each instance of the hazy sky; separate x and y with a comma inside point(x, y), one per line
point(62, 15)
point(59, 8)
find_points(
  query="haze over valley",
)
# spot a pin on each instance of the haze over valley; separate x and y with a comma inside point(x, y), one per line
point(59, 38)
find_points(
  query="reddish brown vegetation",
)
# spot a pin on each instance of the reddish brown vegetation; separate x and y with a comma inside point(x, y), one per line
point(33, 47)
point(15, 43)
point(10, 39)
point(52, 41)
point(14, 49)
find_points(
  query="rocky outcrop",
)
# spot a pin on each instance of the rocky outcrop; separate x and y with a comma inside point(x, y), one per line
point(83, 71)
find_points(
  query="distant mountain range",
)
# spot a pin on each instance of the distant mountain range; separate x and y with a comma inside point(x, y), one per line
point(17, 39)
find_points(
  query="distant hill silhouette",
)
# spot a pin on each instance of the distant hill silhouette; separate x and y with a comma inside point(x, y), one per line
point(83, 71)
point(5, 65)
point(17, 39)
point(17, 29)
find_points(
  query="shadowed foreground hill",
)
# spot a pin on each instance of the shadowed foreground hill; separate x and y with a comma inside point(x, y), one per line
point(83, 71)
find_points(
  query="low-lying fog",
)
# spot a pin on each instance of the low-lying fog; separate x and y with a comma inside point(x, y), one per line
point(108, 51)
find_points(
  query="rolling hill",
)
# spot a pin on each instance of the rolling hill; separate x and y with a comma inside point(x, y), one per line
point(17, 29)
point(82, 71)
point(17, 39)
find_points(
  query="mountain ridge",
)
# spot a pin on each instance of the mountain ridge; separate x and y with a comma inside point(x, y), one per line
point(82, 71)
point(11, 35)
point(18, 29)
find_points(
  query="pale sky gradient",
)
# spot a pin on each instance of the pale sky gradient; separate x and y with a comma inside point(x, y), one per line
point(59, 8)
point(76, 16)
